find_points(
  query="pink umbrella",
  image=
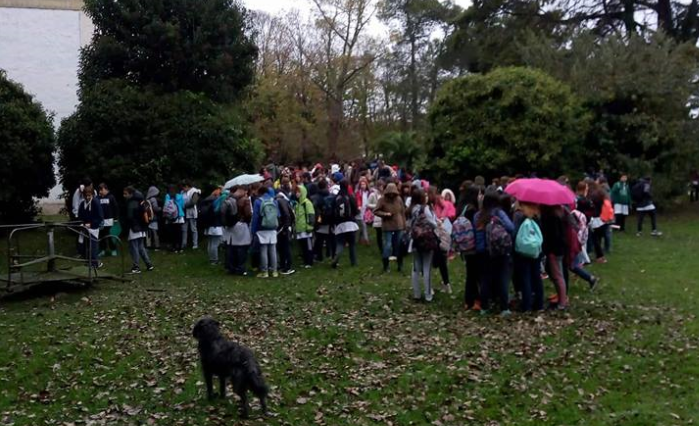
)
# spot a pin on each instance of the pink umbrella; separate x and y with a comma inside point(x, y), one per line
point(541, 191)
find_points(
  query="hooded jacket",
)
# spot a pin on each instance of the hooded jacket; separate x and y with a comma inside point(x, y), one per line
point(152, 197)
point(133, 207)
point(191, 199)
point(305, 212)
point(391, 203)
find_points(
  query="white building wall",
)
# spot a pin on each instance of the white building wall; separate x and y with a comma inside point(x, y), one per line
point(40, 49)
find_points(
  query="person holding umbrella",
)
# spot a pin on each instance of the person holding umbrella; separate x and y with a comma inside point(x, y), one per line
point(551, 196)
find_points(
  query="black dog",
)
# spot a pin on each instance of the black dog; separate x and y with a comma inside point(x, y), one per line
point(229, 360)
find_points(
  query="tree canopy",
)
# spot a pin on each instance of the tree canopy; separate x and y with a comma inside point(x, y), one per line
point(511, 120)
point(171, 45)
point(161, 88)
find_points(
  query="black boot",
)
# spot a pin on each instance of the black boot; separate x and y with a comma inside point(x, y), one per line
point(385, 265)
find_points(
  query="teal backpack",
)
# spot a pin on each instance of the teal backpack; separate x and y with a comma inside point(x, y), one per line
point(529, 239)
point(269, 214)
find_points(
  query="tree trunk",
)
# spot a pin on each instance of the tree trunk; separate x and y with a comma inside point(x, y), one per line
point(664, 10)
point(334, 124)
point(414, 89)
point(629, 16)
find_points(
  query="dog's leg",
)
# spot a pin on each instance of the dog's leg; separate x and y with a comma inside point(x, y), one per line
point(244, 406)
point(263, 403)
point(209, 379)
point(222, 381)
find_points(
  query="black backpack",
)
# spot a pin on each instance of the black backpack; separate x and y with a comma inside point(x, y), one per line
point(327, 211)
point(637, 192)
point(229, 212)
point(206, 213)
point(343, 209)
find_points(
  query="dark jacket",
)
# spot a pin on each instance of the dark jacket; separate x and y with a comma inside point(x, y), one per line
point(133, 220)
point(647, 198)
point(597, 198)
point(318, 200)
point(91, 213)
point(585, 206)
point(215, 219)
point(553, 229)
point(286, 214)
point(110, 208)
point(354, 210)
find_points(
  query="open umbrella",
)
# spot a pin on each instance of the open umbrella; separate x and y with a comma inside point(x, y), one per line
point(541, 191)
point(243, 180)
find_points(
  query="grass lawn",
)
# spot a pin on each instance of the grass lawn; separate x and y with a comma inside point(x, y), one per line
point(348, 347)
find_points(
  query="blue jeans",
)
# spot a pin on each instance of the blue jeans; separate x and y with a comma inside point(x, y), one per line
point(351, 240)
point(422, 265)
point(137, 248)
point(391, 243)
point(93, 251)
point(576, 267)
point(495, 281)
point(529, 272)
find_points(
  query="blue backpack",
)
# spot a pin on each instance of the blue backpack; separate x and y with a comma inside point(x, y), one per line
point(529, 239)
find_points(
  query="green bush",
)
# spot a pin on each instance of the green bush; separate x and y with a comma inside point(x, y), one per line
point(511, 120)
point(403, 148)
point(26, 153)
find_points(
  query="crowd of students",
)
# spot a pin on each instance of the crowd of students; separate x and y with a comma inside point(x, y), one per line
point(324, 212)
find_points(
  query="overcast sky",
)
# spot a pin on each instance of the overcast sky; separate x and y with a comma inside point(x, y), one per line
point(278, 6)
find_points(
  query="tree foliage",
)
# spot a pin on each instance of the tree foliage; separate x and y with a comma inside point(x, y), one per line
point(510, 120)
point(489, 32)
point(640, 92)
point(160, 90)
point(402, 148)
point(170, 45)
point(124, 135)
point(26, 152)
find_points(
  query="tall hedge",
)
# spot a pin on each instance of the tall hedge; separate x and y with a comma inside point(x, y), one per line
point(27, 146)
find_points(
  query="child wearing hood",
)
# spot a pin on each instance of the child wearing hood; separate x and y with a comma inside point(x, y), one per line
point(305, 222)
point(137, 229)
point(153, 238)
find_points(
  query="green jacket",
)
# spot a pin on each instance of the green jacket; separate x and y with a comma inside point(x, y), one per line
point(621, 194)
point(305, 213)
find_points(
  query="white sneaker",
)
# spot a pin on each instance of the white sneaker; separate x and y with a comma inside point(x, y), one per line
point(446, 288)
point(392, 259)
point(656, 233)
